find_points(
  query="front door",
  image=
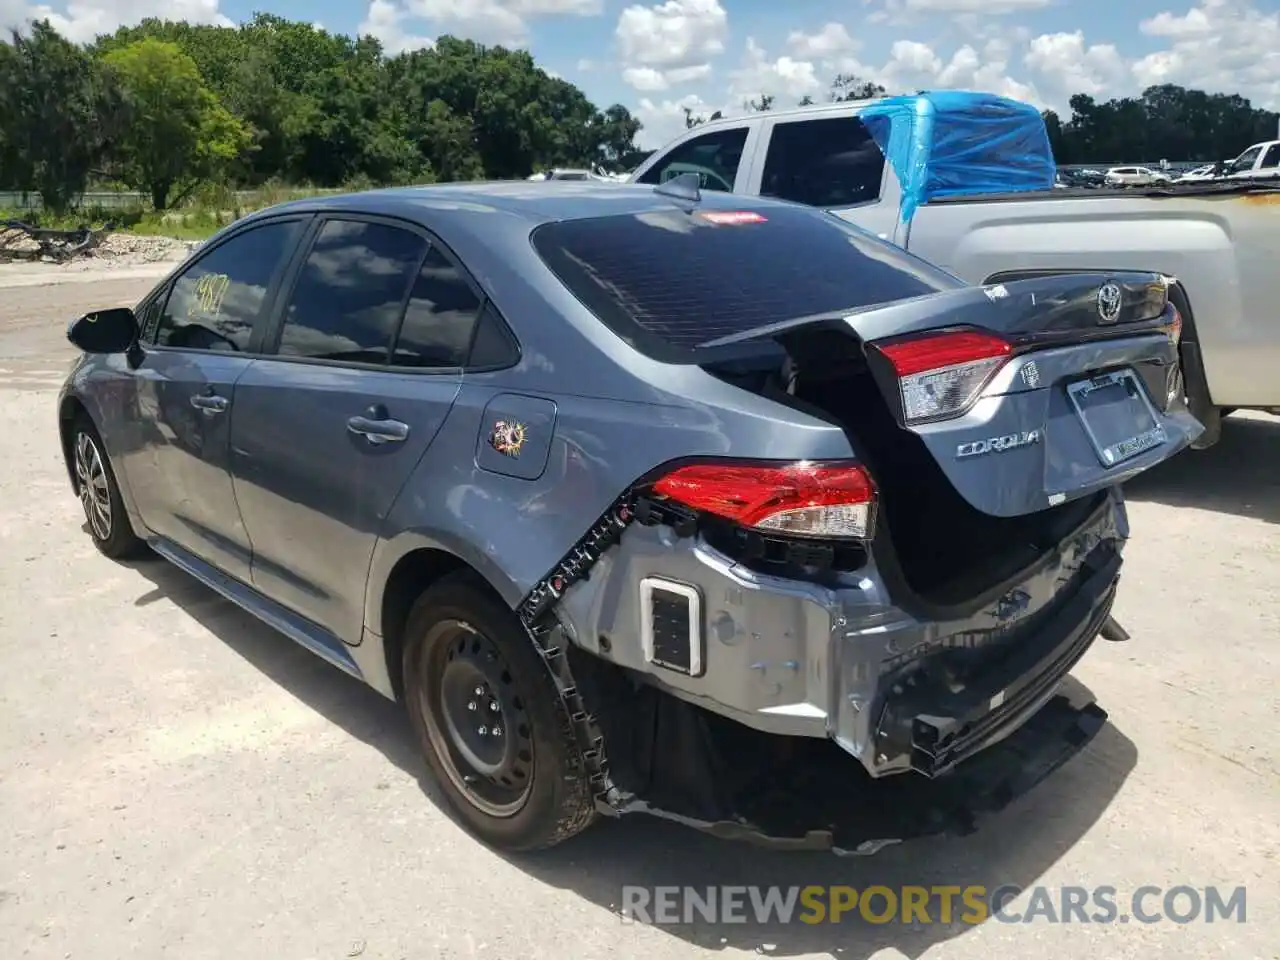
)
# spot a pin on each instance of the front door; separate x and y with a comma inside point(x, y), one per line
point(195, 348)
point(372, 338)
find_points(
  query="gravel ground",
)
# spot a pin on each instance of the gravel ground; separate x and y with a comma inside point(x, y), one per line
point(177, 780)
point(115, 250)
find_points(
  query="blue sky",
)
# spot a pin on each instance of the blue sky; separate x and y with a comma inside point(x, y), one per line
point(715, 54)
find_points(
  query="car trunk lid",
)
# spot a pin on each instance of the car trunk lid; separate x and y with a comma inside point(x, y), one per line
point(1026, 395)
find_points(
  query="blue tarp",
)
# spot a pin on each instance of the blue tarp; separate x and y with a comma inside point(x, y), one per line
point(952, 143)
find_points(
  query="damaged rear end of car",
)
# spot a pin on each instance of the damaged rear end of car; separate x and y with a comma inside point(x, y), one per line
point(850, 651)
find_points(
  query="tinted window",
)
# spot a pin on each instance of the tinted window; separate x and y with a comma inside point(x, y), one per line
point(824, 163)
point(351, 291)
point(668, 280)
point(714, 157)
point(1272, 158)
point(439, 319)
point(214, 303)
point(493, 346)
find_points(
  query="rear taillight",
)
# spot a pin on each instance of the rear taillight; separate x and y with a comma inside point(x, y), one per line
point(1174, 326)
point(941, 374)
point(801, 499)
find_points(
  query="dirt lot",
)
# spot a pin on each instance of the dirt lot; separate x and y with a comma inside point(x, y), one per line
point(177, 780)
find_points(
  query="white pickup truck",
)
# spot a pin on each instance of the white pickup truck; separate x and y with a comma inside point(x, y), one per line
point(966, 181)
point(1262, 160)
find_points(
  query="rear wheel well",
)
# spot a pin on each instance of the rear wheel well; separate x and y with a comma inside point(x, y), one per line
point(412, 574)
point(70, 411)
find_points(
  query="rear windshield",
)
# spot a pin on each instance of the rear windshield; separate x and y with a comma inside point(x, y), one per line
point(669, 281)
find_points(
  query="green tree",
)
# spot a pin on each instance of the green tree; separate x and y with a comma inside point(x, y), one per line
point(847, 87)
point(58, 114)
point(178, 134)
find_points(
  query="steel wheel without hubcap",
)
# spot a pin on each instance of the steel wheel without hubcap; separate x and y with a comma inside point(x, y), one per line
point(476, 721)
point(95, 490)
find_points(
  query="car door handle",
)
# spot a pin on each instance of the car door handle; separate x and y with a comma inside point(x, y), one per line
point(209, 403)
point(379, 431)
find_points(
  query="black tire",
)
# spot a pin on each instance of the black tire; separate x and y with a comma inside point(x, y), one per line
point(458, 625)
point(105, 515)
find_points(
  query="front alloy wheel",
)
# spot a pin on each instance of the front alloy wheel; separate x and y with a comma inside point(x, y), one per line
point(100, 495)
point(95, 492)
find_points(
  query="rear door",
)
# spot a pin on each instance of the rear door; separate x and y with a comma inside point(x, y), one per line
point(198, 341)
point(368, 349)
point(831, 162)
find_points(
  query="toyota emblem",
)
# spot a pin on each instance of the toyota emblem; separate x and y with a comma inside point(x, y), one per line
point(1110, 299)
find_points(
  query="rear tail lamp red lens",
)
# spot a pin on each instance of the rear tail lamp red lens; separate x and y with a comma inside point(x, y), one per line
point(940, 375)
point(801, 499)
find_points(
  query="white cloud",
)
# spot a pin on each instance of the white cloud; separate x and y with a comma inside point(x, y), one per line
point(831, 40)
point(1227, 46)
point(504, 22)
point(1072, 66)
point(989, 7)
point(665, 120)
point(648, 80)
point(785, 78)
point(384, 21)
point(83, 20)
point(671, 42)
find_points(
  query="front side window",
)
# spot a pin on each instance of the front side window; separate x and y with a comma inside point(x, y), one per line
point(215, 302)
point(824, 163)
point(714, 157)
point(1245, 160)
point(351, 292)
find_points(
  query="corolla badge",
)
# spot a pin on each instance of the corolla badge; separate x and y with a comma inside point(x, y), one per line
point(1010, 441)
point(1110, 299)
point(507, 437)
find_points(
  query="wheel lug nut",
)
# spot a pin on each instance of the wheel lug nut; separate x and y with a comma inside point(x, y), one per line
point(497, 731)
point(471, 704)
point(479, 691)
point(482, 731)
point(493, 706)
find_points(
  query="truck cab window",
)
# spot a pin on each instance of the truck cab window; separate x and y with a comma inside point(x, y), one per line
point(714, 157)
point(1272, 159)
point(1245, 160)
point(825, 163)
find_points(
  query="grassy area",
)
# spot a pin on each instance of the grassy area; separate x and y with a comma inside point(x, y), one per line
point(198, 218)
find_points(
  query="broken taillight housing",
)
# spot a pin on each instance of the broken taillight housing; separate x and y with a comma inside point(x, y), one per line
point(803, 499)
point(941, 374)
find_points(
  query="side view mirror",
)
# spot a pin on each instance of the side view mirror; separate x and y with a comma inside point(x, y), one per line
point(114, 330)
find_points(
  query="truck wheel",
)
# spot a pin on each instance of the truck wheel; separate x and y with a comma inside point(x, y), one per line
point(490, 721)
point(99, 494)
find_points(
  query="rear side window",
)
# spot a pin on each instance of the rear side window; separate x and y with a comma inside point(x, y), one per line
point(824, 163)
point(439, 319)
point(670, 281)
point(347, 302)
point(1272, 159)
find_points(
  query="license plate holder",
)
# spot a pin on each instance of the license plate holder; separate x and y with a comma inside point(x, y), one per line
point(1117, 415)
